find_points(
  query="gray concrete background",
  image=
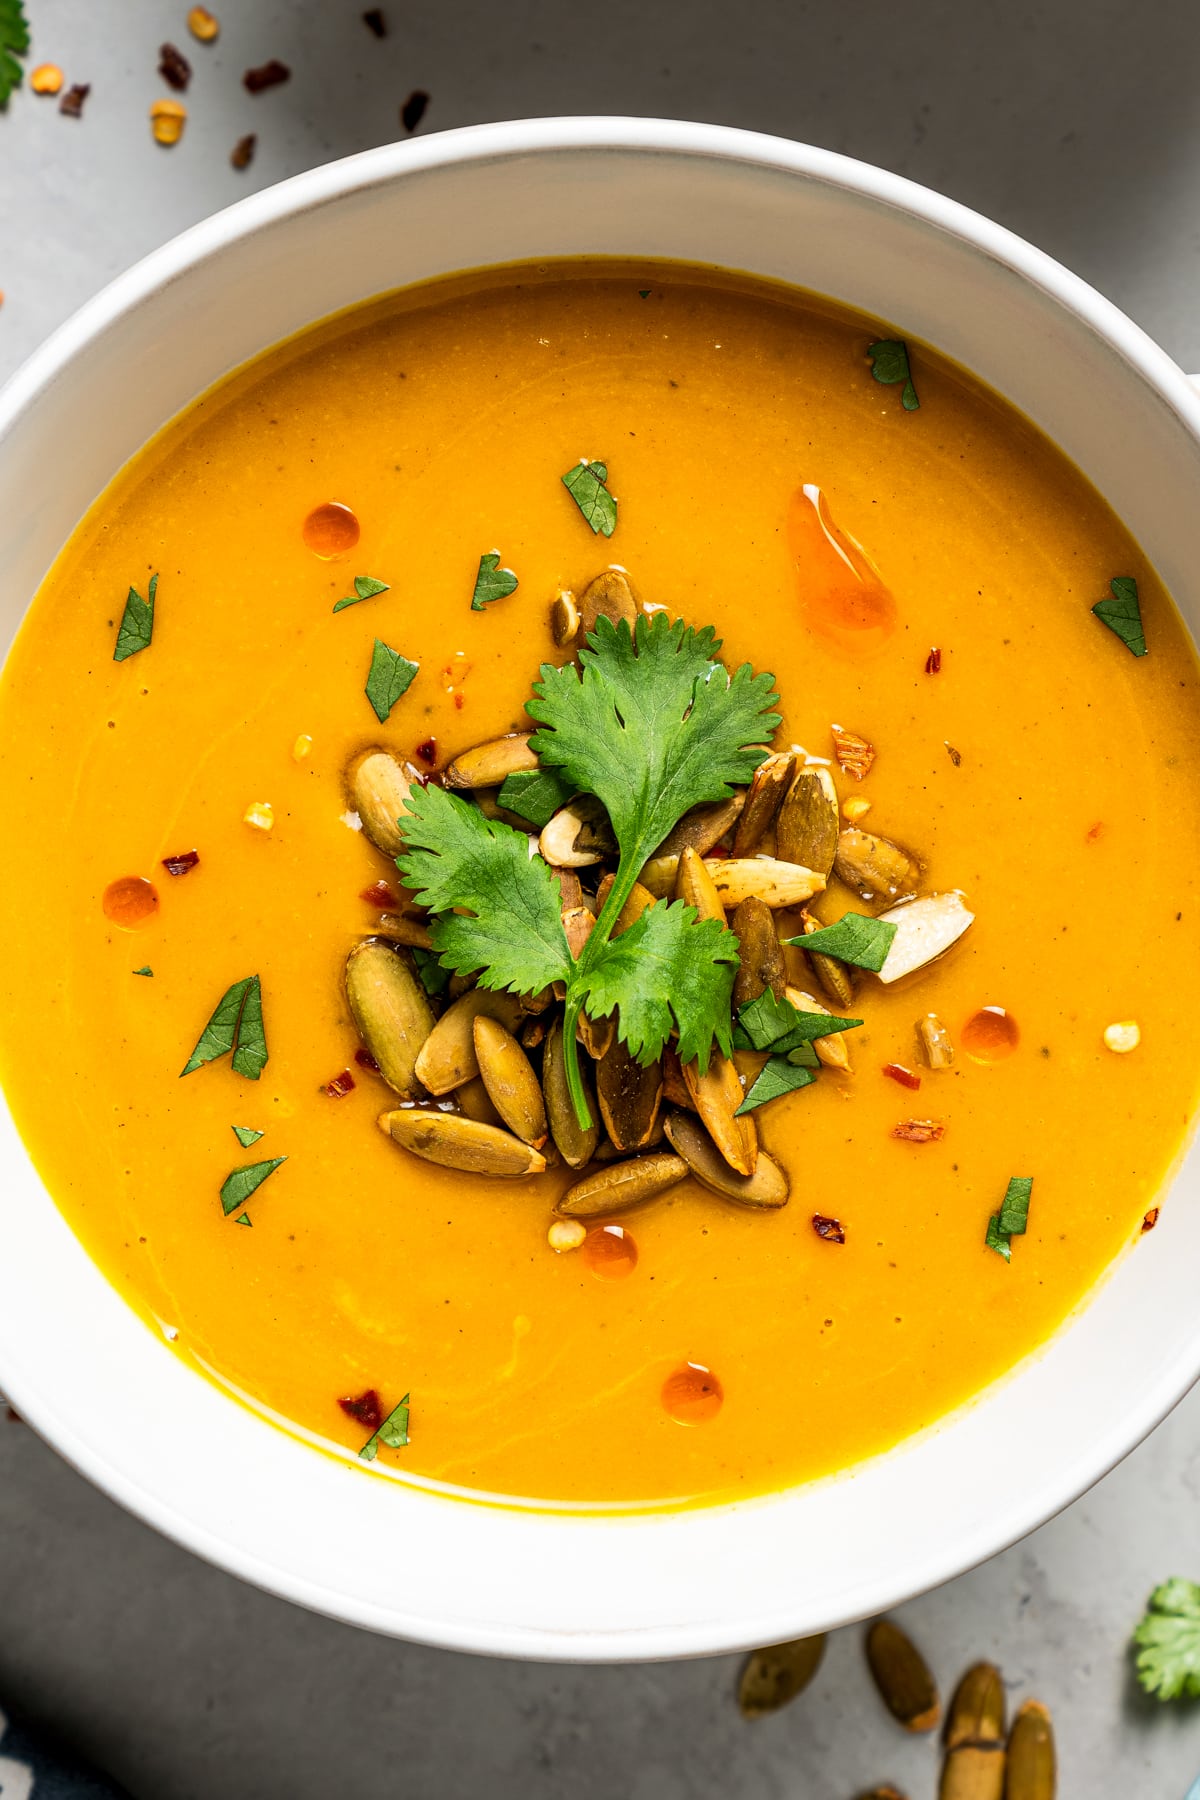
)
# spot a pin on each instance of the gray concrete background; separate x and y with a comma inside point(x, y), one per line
point(1076, 122)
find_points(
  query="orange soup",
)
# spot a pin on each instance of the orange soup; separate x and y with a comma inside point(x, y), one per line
point(372, 540)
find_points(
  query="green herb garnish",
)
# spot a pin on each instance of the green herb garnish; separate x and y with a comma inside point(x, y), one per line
point(1123, 614)
point(1168, 1640)
point(1012, 1219)
point(365, 588)
point(393, 1432)
point(144, 970)
point(492, 582)
point(535, 794)
point(434, 979)
point(585, 483)
point(651, 725)
point(390, 675)
point(237, 1025)
point(137, 621)
point(238, 1186)
point(889, 364)
point(243, 1219)
point(855, 939)
point(245, 1135)
point(14, 42)
point(779, 1075)
point(772, 1024)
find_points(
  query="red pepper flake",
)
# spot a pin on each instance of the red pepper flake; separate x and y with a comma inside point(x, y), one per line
point(716, 854)
point(919, 1131)
point(427, 752)
point(242, 154)
point(933, 661)
point(365, 1060)
point(413, 110)
point(366, 1408)
point(1096, 831)
point(832, 1230)
point(1151, 1219)
point(71, 104)
point(854, 754)
point(904, 1076)
point(179, 865)
point(340, 1086)
point(174, 67)
point(375, 22)
point(379, 894)
point(268, 75)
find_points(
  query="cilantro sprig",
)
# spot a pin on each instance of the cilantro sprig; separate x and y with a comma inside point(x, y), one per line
point(236, 1025)
point(14, 42)
point(1168, 1641)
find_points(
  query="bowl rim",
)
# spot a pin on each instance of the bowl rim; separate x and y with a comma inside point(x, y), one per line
point(334, 182)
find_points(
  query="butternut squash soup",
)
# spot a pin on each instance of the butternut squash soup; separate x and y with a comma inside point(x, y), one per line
point(602, 886)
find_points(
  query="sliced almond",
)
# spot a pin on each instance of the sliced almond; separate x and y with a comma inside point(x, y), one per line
point(717, 1095)
point(391, 1010)
point(487, 765)
point(808, 827)
point(925, 930)
point(578, 835)
point(775, 883)
point(378, 789)
point(448, 1057)
point(508, 1076)
point(765, 1190)
point(772, 779)
point(460, 1143)
point(621, 1185)
point(831, 1050)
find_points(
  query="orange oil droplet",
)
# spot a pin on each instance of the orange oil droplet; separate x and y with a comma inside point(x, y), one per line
point(130, 901)
point(990, 1035)
point(842, 595)
point(610, 1253)
point(692, 1395)
point(330, 530)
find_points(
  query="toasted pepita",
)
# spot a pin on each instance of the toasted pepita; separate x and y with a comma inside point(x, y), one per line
point(703, 828)
point(766, 1189)
point(925, 930)
point(378, 789)
point(902, 1676)
point(772, 778)
point(448, 1057)
point(831, 1050)
point(836, 978)
point(487, 765)
point(401, 928)
point(577, 1145)
point(620, 1185)
point(629, 1096)
point(973, 1772)
point(610, 594)
point(473, 1099)
point(760, 956)
point(564, 618)
point(776, 1674)
point(596, 1035)
point(675, 1088)
point(1032, 1772)
point(391, 1011)
point(808, 827)
point(976, 1714)
point(533, 1031)
point(695, 886)
point(508, 1076)
point(570, 888)
point(874, 867)
point(764, 878)
point(716, 1095)
point(457, 1142)
point(578, 835)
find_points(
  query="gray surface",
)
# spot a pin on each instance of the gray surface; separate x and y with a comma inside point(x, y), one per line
point(1077, 124)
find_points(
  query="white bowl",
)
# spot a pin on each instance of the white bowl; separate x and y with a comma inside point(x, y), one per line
point(380, 1552)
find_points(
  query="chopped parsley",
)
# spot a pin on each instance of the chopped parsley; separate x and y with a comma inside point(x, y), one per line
point(855, 939)
point(393, 1432)
point(365, 588)
point(1168, 1641)
point(144, 970)
point(1123, 614)
point(238, 1186)
point(889, 364)
point(492, 582)
point(389, 676)
point(1012, 1219)
point(137, 621)
point(236, 1024)
point(586, 483)
point(14, 42)
point(246, 1135)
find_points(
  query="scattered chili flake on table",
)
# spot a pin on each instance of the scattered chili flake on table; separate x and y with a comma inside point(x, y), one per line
point(71, 104)
point(203, 25)
point(174, 67)
point(365, 1060)
point(379, 894)
point(375, 21)
point(955, 755)
point(905, 1077)
point(268, 75)
point(340, 1086)
point(366, 1408)
point(933, 661)
point(413, 110)
point(47, 78)
point(1151, 1219)
point(427, 752)
point(179, 865)
point(919, 1131)
point(854, 754)
point(832, 1230)
point(241, 156)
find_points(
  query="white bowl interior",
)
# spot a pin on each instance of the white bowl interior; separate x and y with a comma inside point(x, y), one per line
point(79, 1364)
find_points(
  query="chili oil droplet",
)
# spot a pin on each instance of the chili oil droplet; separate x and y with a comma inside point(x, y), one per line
point(610, 1253)
point(990, 1035)
point(130, 901)
point(692, 1395)
point(330, 530)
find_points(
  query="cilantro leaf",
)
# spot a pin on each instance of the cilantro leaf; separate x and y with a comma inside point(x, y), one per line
point(777, 1076)
point(144, 970)
point(1012, 1219)
point(492, 582)
point(889, 364)
point(390, 675)
point(393, 1432)
point(243, 1219)
point(535, 794)
point(772, 1024)
point(245, 1135)
point(854, 939)
point(434, 979)
point(1123, 614)
point(1168, 1640)
point(14, 37)
point(995, 1239)
point(238, 1186)
point(585, 482)
point(454, 857)
point(365, 588)
point(668, 967)
point(236, 1024)
point(137, 621)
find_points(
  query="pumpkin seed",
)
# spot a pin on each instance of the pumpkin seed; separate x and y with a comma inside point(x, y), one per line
point(773, 882)
point(675, 1088)
point(1031, 1773)
point(973, 1772)
point(772, 778)
point(902, 1676)
point(457, 1142)
point(716, 1095)
point(807, 828)
point(610, 594)
point(378, 789)
point(925, 930)
point(703, 828)
point(390, 1009)
point(835, 977)
point(831, 1050)
point(596, 1035)
point(695, 886)
point(448, 1057)
point(622, 1184)
point(577, 1145)
point(775, 1675)
point(570, 888)
point(976, 1713)
point(874, 867)
point(508, 1076)
point(487, 765)
point(533, 1031)
point(578, 835)
point(400, 928)
point(629, 1096)
point(564, 618)
point(760, 955)
point(473, 1099)
point(578, 922)
point(767, 1188)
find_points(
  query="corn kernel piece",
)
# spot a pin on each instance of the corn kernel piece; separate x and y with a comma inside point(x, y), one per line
point(566, 1234)
point(202, 24)
point(855, 808)
point(47, 78)
point(1123, 1037)
point(261, 814)
point(302, 747)
point(167, 120)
